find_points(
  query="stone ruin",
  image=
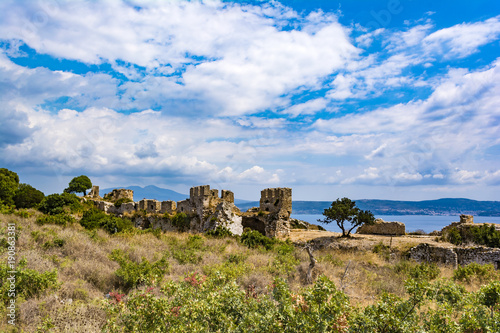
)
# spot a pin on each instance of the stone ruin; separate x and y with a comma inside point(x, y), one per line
point(382, 227)
point(454, 256)
point(205, 210)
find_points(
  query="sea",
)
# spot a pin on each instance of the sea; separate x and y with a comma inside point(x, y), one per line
point(427, 223)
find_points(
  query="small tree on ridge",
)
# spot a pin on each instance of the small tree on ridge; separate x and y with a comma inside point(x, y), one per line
point(345, 210)
point(79, 184)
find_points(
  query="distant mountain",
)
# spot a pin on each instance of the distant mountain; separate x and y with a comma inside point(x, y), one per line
point(158, 193)
point(151, 192)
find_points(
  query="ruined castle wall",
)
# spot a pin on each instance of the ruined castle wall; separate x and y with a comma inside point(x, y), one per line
point(118, 194)
point(168, 206)
point(480, 255)
point(429, 253)
point(227, 196)
point(184, 206)
point(382, 227)
point(276, 199)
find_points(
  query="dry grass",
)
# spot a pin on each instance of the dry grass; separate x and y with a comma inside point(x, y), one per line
point(86, 272)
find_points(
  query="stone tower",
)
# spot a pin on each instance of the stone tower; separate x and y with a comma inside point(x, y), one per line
point(276, 200)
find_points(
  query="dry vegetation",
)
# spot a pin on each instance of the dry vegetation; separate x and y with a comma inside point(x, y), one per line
point(364, 267)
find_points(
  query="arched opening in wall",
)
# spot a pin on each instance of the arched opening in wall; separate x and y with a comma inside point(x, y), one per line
point(254, 223)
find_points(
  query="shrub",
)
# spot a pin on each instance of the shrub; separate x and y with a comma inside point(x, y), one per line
point(27, 196)
point(188, 252)
point(59, 219)
point(474, 270)
point(424, 271)
point(54, 204)
point(219, 232)
point(134, 274)
point(489, 295)
point(119, 202)
point(29, 283)
point(486, 235)
point(453, 236)
point(94, 218)
point(253, 239)
point(181, 221)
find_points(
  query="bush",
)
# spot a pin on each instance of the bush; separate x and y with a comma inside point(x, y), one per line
point(424, 271)
point(181, 221)
point(94, 218)
point(29, 283)
point(486, 235)
point(59, 219)
point(219, 232)
point(27, 196)
point(133, 274)
point(209, 304)
point(253, 239)
point(474, 270)
point(453, 236)
point(119, 202)
point(189, 252)
point(54, 204)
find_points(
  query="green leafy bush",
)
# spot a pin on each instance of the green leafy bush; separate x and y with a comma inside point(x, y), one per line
point(209, 304)
point(189, 252)
point(28, 282)
point(54, 204)
point(119, 202)
point(181, 221)
point(423, 271)
point(133, 274)
point(27, 196)
point(486, 235)
point(94, 218)
point(474, 270)
point(59, 219)
point(254, 239)
point(219, 232)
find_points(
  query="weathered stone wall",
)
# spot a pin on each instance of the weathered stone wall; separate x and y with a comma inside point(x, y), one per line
point(455, 256)
point(168, 207)
point(94, 192)
point(466, 218)
point(429, 253)
point(274, 200)
point(227, 196)
point(382, 227)
point(205, 210)
point(117, 194)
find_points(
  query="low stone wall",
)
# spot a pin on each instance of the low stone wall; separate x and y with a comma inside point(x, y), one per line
point(455, 256)
point(382, 227)
point(436, 254)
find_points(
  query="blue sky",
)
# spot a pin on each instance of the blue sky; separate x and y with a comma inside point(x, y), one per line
point(366, 99)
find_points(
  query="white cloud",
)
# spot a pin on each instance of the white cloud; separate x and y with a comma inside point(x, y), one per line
point(463, 39)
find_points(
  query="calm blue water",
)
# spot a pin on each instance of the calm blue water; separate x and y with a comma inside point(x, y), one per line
point(427, 223)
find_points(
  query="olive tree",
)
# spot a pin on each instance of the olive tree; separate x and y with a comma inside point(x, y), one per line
point(343, 211)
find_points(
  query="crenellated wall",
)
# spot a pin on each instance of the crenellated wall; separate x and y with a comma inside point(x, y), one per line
point(206, 210)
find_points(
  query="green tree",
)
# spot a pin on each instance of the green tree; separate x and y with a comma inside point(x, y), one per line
point(79, 184)
point(343, 211)
point(27, 196)
point(9, 181)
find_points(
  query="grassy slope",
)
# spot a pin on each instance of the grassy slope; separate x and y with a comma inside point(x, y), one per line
point(87, 274)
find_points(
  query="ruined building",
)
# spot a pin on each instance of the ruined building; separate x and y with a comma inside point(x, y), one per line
point(205, 210)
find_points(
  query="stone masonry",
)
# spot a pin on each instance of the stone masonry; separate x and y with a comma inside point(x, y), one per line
point(382, 227)
point(205, 211)
point(455, 256)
